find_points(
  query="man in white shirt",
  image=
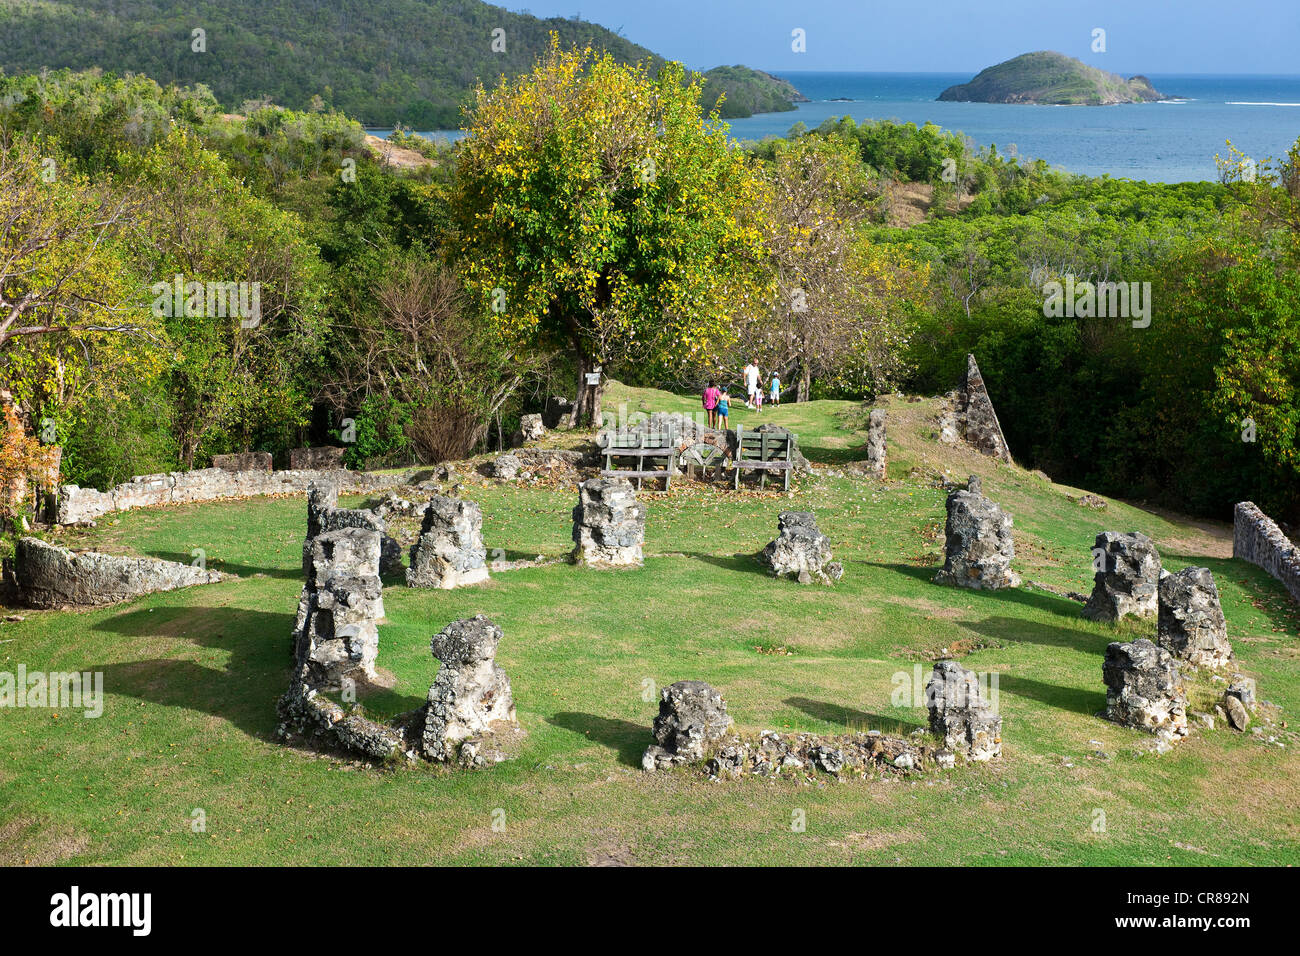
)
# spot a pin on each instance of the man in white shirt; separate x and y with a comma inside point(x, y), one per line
point(751, 383)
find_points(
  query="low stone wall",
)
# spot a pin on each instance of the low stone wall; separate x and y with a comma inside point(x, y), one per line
point(81, 505)
point(1257, 539)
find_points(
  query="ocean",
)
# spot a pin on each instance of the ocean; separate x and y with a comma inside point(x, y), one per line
point(1174, 140)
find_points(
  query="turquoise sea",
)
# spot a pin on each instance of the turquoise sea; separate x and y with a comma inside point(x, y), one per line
point(1171, 141)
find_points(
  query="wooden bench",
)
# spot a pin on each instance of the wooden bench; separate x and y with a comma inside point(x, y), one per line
point(763, 452)
point(654, 455)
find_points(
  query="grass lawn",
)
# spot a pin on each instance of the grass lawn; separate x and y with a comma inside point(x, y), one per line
point(192, 677)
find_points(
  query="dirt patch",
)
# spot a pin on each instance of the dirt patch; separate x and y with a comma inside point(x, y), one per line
point(874, 841)
point(24, 841)
point(390, 154)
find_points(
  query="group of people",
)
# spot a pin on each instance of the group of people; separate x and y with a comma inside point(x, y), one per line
point(717, 400)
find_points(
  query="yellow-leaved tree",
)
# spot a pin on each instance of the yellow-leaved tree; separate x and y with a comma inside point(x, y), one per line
point(599, 210)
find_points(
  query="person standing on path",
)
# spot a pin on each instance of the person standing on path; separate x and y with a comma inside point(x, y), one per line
point(710, 397)
point(751, 383)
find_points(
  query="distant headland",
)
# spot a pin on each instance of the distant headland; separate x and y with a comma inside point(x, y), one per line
point(1051, 79)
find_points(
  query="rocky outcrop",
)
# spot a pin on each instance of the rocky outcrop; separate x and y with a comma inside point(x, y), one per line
point(979, 545)
point(449, 552)
point(608, 524)
point(1126, 579)
point(1191, 623)
point(692, 719)
point(978, 421)
point(48, 576)
point(800, 550)
point(1144, 689)
point(1257, 538)
point(959, 715)
point(470, 698)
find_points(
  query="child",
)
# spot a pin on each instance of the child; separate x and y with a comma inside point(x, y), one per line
point(711, 395)
point(776, 389)
point(758, 399)
point(724, 406)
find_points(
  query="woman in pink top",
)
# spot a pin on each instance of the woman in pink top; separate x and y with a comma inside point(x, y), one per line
point(711, 403)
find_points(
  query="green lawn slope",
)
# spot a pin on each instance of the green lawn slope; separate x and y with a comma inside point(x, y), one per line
point(192, 678)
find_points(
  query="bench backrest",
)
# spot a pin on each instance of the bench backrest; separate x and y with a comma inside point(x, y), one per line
point(763, 446)
point(663, 440)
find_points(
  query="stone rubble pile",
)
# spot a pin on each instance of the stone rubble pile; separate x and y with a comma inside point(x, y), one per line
point(449, 552)
point(959, 715)
point(1191, 622)
point(470, 699)
point(692, 719)
point(1144, 689)
point(608, 524)
point(1127, 578)
point(800, 550)
point(979, 546)
point(531, 428)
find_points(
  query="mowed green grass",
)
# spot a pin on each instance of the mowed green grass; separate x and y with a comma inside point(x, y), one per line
point(192, 678)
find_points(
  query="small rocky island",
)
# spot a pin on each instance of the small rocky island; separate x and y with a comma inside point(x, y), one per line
point(1051, 79)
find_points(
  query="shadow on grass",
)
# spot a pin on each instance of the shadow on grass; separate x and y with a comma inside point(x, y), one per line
point(227, 567)
point(1085, 702)
point(742, 563)
point(848, 718)
point(627, 739)
point(244, 691)
point(1018, 630)
point(1038, 600)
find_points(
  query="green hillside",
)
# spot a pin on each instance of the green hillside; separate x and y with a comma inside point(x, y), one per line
point(381, 61)
point(1051, 79)
point(191, 678)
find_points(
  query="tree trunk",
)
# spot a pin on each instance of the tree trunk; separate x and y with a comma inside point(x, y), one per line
point(805, 383)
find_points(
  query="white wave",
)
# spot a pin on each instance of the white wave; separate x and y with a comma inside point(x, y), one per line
point(1248, 103)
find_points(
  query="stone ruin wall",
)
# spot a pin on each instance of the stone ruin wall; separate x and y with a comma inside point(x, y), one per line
point(80, 505)
point(1257, 538)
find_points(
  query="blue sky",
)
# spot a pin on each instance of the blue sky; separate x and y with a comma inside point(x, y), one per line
point(1142, 36)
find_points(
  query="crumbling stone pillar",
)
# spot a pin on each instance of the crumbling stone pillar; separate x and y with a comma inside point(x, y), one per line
point(336, 635)
point(1144, 689)
point(982, 429)
point(1127, 577)
point(877, 451)
point(1191, 625)
point(959, 714)
point(979, 544)
point(322, 497)
point(800, 550)
point(471, 695)
point(692, 720)
point(449, 552)
point(608, 524)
